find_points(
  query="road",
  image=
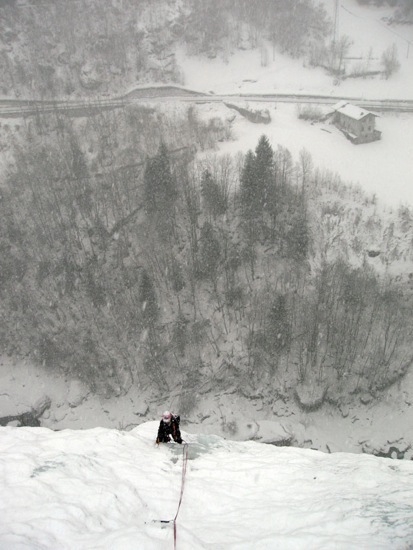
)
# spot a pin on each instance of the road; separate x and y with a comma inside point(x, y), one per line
point(15, 108)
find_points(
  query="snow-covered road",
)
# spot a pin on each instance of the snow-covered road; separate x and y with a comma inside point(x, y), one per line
point(86, 107)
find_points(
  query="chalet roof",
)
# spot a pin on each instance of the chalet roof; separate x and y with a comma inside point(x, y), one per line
point(352, 111)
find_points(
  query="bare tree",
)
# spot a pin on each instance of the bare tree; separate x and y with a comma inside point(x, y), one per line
point(390, 61)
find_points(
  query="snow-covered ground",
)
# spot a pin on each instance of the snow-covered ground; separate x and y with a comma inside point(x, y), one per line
point(242, 71)
point(110, 489)
point(383, 168)
point(97, 488)
point(369, 425)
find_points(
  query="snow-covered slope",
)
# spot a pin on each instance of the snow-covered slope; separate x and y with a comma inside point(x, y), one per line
point(108, 489)
point(369, 33)
point(383, 167)
point(126, 462)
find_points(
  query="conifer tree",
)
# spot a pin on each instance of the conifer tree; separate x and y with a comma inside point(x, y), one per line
point(147, 299)
point(298, 238)
point(257, 178)
point(79, 171)
point(210, 251)
point(176, 275)
point(207, 25)
point(248, 194)
point(264, 161)
point(212, 195)
point(248, 186)
point(78, 164)
point(159, 183)
point(278, 327)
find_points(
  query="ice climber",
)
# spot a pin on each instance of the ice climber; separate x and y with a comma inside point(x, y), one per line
point(169, 426)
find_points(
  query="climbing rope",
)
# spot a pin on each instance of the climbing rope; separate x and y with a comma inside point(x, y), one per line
point(184, 466)
point(183, 475)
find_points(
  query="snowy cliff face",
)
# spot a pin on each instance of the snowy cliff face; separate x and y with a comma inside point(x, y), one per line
point(354, 229)
point(380, 427)
point(111, 489)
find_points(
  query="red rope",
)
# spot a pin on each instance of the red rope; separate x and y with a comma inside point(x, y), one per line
point(184, 465)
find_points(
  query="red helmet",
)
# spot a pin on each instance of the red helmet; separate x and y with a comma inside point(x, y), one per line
point(166, 417)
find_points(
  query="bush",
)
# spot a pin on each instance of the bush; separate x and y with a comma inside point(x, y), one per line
point(390, 61)
point(310, 112)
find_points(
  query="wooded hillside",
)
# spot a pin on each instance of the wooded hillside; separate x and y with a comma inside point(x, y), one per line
point(129, 262)
point(65, 49)
point(125, 259)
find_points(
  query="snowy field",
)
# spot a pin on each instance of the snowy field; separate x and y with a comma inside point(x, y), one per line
point(243, 71)
point(99, 489)
point(383, 168)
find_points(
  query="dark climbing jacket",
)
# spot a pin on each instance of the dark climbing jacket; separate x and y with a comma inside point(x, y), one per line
point(166, 431)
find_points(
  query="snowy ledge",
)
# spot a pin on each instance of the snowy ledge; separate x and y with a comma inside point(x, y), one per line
point(108, 489)
point(381, 427)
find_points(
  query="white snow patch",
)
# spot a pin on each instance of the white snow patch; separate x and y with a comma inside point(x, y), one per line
point(243, 71)
point(107, 489)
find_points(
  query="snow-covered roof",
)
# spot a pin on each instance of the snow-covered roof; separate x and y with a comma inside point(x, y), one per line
point(352, 111)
